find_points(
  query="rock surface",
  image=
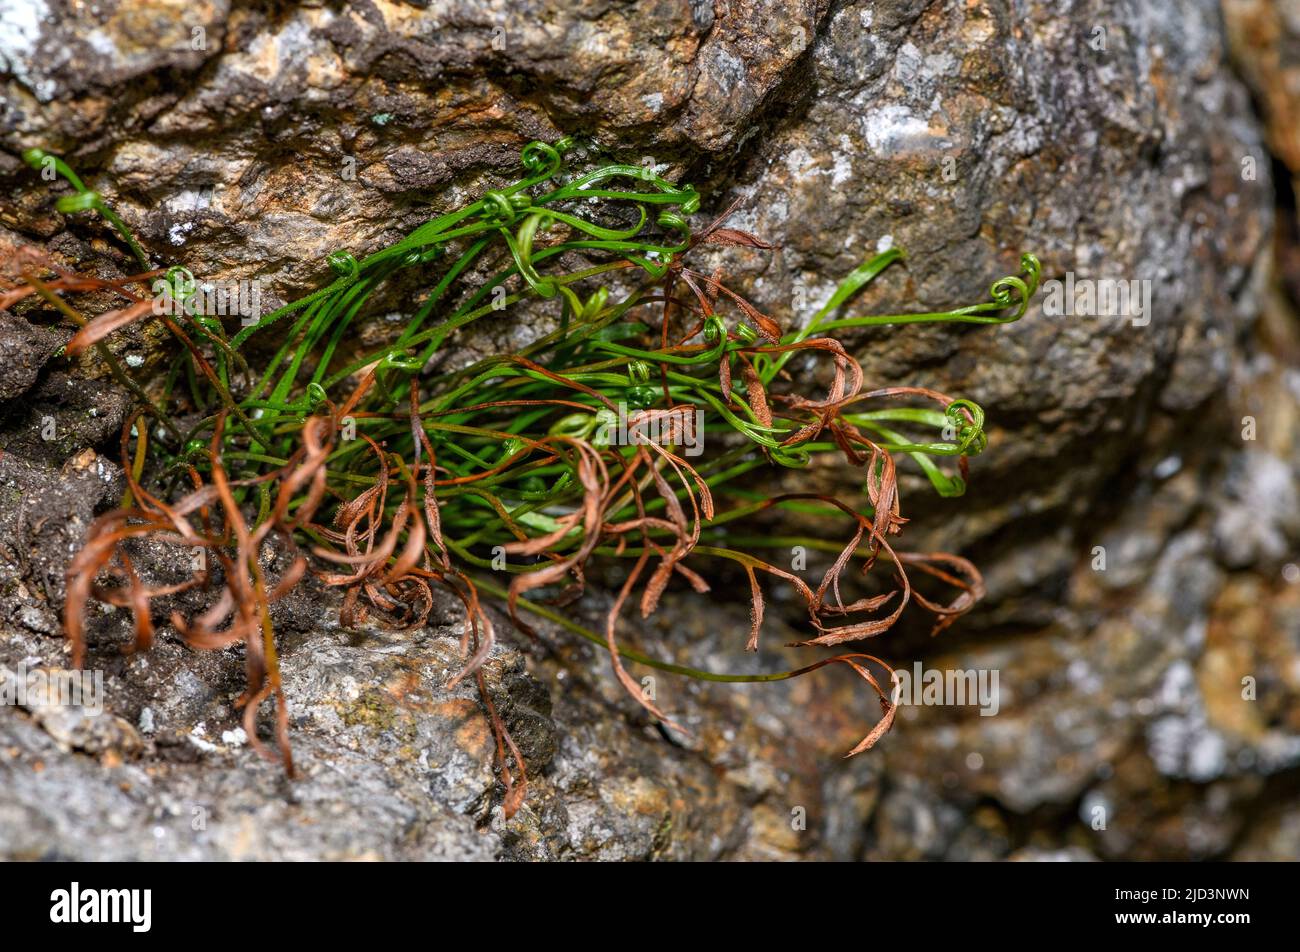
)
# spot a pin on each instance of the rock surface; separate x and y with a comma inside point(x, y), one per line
point(1116, 141)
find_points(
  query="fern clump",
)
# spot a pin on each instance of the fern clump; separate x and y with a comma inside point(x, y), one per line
point(632, 430)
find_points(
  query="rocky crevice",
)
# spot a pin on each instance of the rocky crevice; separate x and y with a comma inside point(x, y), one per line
point(965, 133)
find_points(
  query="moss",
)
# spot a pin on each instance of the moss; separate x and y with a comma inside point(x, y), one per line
point(378, 712)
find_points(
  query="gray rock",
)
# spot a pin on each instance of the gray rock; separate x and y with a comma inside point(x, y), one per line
point(24, 348)
point(1109, 139)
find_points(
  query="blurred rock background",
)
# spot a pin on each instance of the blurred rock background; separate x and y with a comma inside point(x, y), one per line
point(1148, 708)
